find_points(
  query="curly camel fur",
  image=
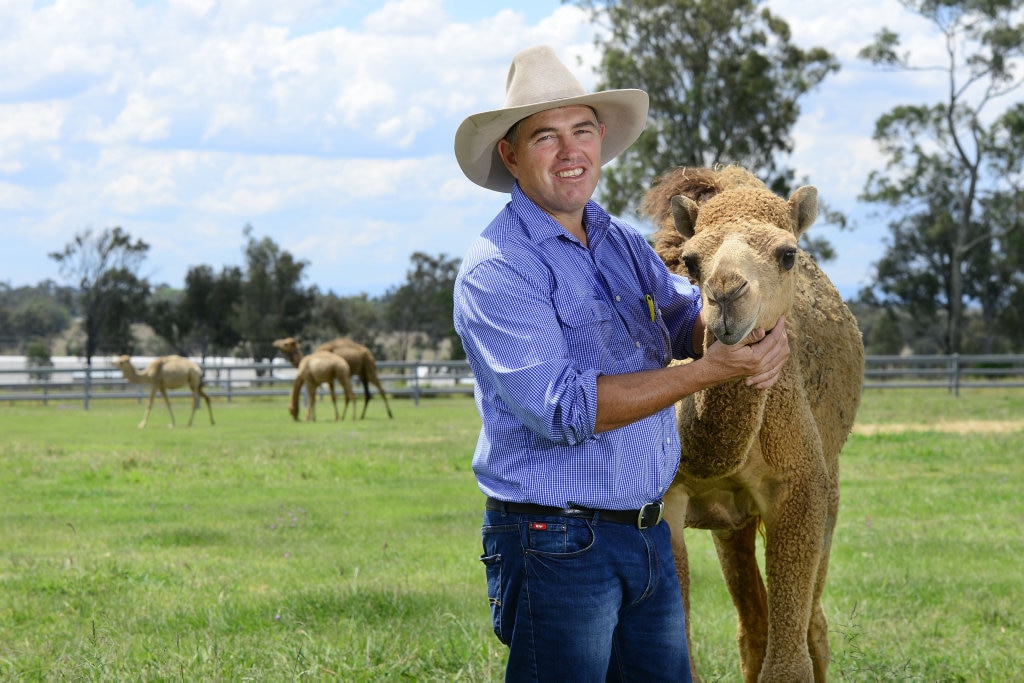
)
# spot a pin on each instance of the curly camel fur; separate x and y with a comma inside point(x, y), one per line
point(752, 458)
point(359, 358)
point(318, 368)
point(167, 372)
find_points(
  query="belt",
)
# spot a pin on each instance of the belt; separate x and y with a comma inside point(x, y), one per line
point(644, 518)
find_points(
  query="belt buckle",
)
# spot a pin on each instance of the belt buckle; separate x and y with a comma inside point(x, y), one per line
point(650, 515)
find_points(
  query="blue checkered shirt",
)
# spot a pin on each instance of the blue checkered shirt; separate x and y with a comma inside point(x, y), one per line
point(541, 317)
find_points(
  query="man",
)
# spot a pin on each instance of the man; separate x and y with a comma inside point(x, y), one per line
point(569, 320)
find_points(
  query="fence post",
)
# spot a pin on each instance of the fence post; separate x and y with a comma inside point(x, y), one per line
point(956, 374)
point(416, 383)
point(88, 382)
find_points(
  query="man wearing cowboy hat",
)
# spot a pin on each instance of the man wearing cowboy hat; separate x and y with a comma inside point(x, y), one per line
point(569, 320)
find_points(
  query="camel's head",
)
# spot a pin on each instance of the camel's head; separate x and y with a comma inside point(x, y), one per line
point(121, 362)
point(288, 346)
point(740, 247)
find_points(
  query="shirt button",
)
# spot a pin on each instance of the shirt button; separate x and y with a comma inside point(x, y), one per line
point(638, 344)
point(618, 297)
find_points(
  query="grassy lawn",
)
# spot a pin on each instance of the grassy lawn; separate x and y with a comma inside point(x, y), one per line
point(265, 549)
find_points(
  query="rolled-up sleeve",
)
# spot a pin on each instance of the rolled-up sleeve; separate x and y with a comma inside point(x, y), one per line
point(507, 321)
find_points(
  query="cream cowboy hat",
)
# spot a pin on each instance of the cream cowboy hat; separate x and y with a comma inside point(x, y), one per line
point(538, 81)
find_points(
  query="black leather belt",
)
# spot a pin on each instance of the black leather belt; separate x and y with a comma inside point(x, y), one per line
point(644, 518)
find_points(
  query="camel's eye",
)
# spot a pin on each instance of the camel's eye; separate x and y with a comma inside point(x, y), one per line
point(786, 257)
point(692, 266)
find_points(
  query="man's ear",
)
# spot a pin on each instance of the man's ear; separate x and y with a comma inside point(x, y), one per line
point(508, 156)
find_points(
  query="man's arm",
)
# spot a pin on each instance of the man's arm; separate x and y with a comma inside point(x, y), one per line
point(624, 399)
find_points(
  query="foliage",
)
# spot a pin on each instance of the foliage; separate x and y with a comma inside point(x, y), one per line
point(954, 176)
point(37, 355)
point(31, 312)
point(422, 308)
point(272, 302)
point(724, 80)
point(103, 269)
point(886, 337)
point(270, 550)
point(359, 318)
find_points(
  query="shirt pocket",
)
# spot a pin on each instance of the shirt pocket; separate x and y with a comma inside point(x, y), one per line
point(587, 326)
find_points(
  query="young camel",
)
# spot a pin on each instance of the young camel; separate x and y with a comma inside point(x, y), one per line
point(167, 372)
point(314, 370)
point(360, 360)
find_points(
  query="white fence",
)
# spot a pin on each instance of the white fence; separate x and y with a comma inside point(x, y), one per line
point(70, 380)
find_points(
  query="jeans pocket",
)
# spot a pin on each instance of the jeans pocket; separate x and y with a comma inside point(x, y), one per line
point(492, 565)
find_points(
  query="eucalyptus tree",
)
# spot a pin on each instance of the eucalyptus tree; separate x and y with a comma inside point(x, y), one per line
point(103, 269)
point(725, 83)
point(272, 302)
point(953, 175)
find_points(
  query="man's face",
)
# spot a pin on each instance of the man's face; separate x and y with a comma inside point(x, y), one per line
point(557, 159)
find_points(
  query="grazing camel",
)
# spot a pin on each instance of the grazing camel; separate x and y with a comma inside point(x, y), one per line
point(167, 372)
point(360, 360)
point(314, 370)
point(761, 459)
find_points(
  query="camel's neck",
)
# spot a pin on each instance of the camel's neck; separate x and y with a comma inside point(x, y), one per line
point(133, 376)
point(295, 357)
point(717, 426)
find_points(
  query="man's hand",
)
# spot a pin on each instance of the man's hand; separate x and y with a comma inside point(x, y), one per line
point(759, 358)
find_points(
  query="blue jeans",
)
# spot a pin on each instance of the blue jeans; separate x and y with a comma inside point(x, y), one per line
point(584, 600)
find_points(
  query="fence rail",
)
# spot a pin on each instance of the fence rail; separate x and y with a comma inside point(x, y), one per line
point(72, 380)
point(228, 379)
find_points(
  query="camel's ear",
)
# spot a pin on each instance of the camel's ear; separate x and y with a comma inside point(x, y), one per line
point(803, 206)
point(684, 213)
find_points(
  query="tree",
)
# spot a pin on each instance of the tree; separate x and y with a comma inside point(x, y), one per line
point(953, 176)
point(104, 270)
point(421, 309)
point(724, 82)
point(29, 313)
point(272, 304)
point(210, 304)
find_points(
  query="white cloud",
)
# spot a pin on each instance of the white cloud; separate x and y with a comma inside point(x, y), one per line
point(326, 125)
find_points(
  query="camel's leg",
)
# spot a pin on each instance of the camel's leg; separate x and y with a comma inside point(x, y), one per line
point(366, 392)
point(145, 416)
point(383, 395)
point(350, 395)
point(817, 633)
point(334, 399)
point(195, 404)
point(737, 556)
point(209, 407)
point(793, 555)
point(311, 392)
point(163, 392)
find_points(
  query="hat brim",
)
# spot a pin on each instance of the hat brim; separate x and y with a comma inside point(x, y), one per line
point(623, 113)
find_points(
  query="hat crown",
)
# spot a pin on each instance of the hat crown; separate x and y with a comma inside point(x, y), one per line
point(537, 75)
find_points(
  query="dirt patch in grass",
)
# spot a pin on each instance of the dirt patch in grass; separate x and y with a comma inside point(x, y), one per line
point(958, 427)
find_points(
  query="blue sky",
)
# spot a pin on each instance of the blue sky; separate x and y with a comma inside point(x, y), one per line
point(327, 126)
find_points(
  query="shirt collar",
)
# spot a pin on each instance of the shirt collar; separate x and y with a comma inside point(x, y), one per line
point(541, 226)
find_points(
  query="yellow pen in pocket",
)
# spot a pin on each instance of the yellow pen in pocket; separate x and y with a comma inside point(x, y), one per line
point(650, 305)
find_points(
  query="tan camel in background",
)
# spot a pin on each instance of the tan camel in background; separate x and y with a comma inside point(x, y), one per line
point(316, 369)
point(360, 360)
point(167, 372)
point(752, 458)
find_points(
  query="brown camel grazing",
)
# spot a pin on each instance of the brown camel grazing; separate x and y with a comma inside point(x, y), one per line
point(762, 459)
point(360, 360)
point(167, 372)
point(314, 370)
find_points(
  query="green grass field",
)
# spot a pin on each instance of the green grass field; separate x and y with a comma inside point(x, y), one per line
point(264, 549)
